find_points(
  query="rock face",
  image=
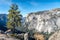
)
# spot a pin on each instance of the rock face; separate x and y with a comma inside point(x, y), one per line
point(44, 21)
point(55, 36)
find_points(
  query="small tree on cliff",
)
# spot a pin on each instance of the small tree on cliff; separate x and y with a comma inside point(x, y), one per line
point(14, 17)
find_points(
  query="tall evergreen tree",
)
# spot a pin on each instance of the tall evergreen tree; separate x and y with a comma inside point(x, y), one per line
point(14, 17)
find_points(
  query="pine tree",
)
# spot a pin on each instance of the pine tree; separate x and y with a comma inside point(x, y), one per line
point(14, 17)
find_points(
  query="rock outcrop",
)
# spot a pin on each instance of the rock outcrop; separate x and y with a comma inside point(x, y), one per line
point(55, 36)
point(43, 21)
point(5, 37)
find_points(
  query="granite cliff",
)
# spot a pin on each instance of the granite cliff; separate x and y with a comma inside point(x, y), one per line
point(43, 21)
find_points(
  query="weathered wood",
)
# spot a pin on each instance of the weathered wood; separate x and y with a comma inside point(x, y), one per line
point(26, 36)
point(39, 37)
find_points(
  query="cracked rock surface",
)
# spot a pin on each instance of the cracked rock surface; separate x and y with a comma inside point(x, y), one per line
point(43, 21)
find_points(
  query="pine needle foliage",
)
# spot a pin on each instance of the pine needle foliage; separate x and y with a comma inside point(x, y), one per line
point(14, 17)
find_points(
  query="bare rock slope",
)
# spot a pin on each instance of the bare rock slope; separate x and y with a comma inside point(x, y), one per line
point(43, 21)
point(55, 36)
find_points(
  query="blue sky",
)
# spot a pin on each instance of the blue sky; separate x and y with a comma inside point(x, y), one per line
point(27, 6)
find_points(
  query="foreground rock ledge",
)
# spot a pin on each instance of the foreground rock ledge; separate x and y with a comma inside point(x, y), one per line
point(5, 37)
point(55, 36)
